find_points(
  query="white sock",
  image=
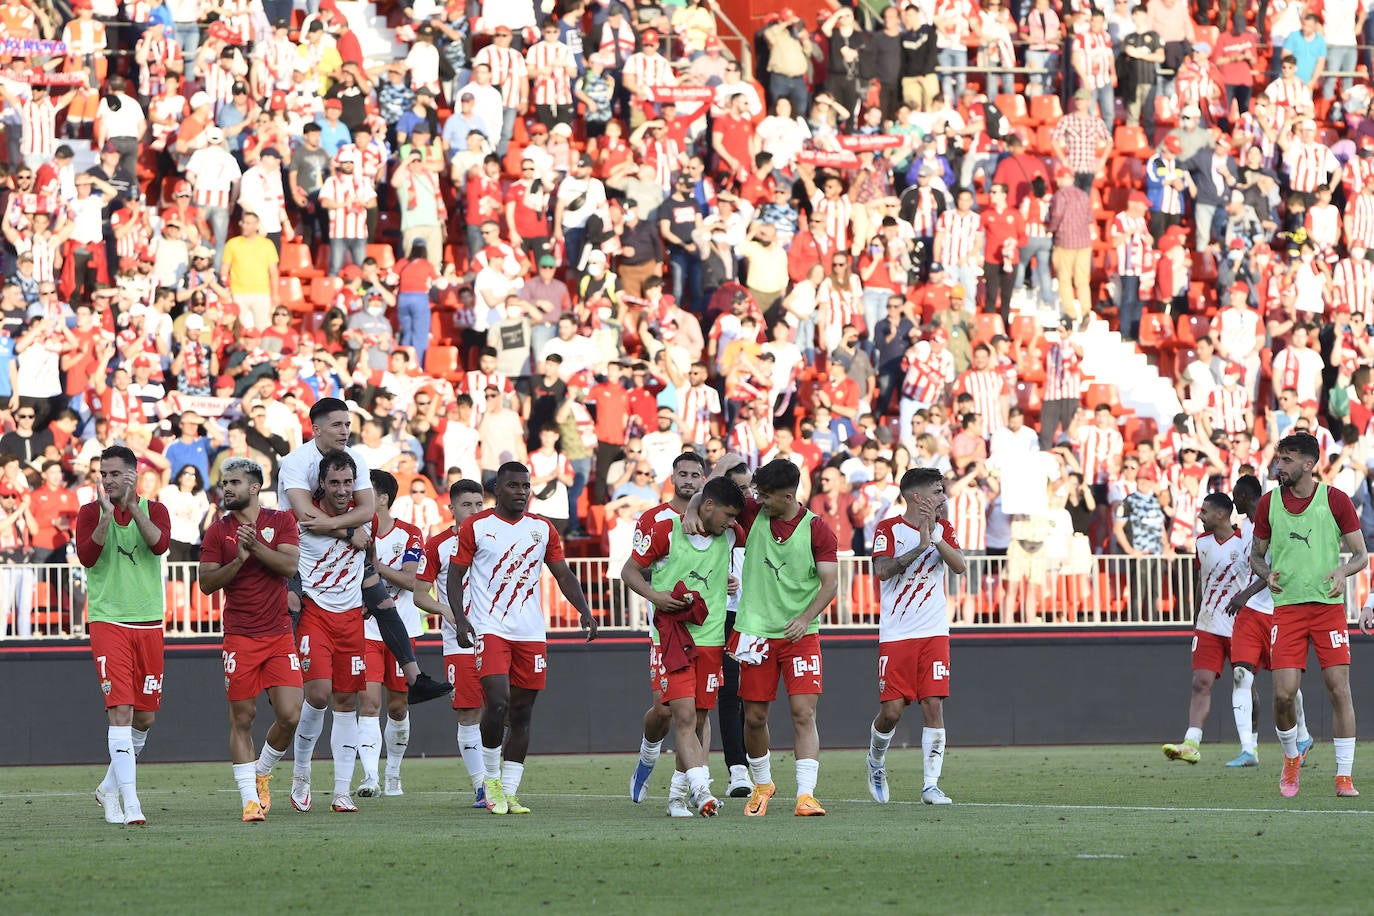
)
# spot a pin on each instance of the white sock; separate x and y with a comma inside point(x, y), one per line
point(1254, 741)
point(110, 783)
point(933, 748)
point(1243, 706)
point(343, 741)
point(1194, 735)
point(807, 773)
point(140, 739)
point(268, 759)
point(1303, 734)
point(1289, 740)
point(491, 762)
point(470, 747)
point(397, 739)
point(760, 770)
point(679, 787)
point(648, 751)
point(245, 776)
point(511, 773)
point(369, 745)
point(878, 743)
point(122, 763)
point(307, 735)
point(699, 780)
point(1345, 755)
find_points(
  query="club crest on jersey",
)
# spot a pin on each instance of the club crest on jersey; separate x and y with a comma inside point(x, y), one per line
point(880, 543)
point(396, 549)
point(267, 535)
point(536, 536)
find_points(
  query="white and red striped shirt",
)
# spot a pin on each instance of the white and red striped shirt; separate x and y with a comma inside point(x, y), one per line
point(1098, 58)
point(219, 85)
point(1063, 378)
point(1359, 228)
point(1290, 92)
point(1225, 566)
point(212, 172)
point(1352, 282)
point(752, 444)
point(39, 127)
point(1186, 501)
point(697, 404)
point(968, 510)
point(1358, 172)
point(1309, 164)
point(504, 559)
point(649, 71)
point(165, 107)
point(354, 194)
point(1099, 451)
point(841, 303)
point(508, 72)
point(959, 238)
point(1036, 211)
point(618, 45)
point(44, 249)
point(278, 57)
point(924, 378)
point(140, 233)
point(1300, 370)
point(913, 603)
point(1255, 135)
point(837, 213)
point(923, 220)
point(1228, 406)
point(161, 52)
point(554, 64)
point(987, 388)
point(1131, 234)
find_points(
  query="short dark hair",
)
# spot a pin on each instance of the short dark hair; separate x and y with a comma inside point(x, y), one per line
point(724, 491)
point(324, 407)
point(1220, 501)
point(689, 458)
point(777, 475)
point(1247, 488)
point(119, 453)
point(385, 484)
point(1304, 444)
point(511, 467)
point(337, 461)
point(917, 478)
point(464, 486)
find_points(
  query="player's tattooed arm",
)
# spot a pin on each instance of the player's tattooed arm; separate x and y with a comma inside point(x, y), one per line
point(887, 567)
point(1259, 548)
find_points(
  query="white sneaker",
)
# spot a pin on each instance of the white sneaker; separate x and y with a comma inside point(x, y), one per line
point(370, 788)
point(707, 805)
point(114, 809)
point(677, 807)
point(393, 786)
point(931, 795)
point(740, 785)
point(877, 782)
point(133, 815)
point(300, 793)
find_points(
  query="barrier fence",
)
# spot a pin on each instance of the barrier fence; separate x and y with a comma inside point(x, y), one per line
point(49, 601)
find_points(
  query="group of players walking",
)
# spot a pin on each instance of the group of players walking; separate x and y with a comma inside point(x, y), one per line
point(737, 570)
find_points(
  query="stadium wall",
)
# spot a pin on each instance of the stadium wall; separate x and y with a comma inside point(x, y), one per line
point(1027, 688)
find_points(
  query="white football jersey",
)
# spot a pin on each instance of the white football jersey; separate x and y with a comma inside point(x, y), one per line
point(401, 545)
point(913, 602)
point(300, 470)
point(505, 560)
point(332, 571)
point(439, 553)
point(1264, 601)
point(1225, 567)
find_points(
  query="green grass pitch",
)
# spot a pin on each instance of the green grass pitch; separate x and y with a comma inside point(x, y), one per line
point(1048, 830)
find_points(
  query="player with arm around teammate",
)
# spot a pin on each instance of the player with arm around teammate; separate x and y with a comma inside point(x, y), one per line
point(500, 613)
point(688, 682)
point(397, 547)
point(1300, 531)
point(465, 500)
point(250, 552)
point(119, 539)
point(911, 554)
point(1253, 608)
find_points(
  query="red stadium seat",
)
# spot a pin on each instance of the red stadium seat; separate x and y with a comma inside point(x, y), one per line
point(323, 290)
point(296, 261)
point(987, 327)
point(1156, 331)
point(1046, 110)
point(1192, 328)
point(442, 362)
point(290, 292)
point(1024, 329)
point(1028, 399)
point(1131, 141)
point(385, 255)
point(1102, 393)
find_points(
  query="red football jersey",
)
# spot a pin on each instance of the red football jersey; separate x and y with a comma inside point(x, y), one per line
point(256, 597)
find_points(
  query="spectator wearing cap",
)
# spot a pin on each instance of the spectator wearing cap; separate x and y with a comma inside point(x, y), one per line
point(550, 296)
point(463, 122)
point(238, 119)
point(509, 74)
point(579, 197)
point(1070, 227)
point(214, 175)
point(418, 193)
point(1081, 140)
point(646, 71)
point(347, 196)
point(1168, 186)
point(789, 60)
point(334, 133)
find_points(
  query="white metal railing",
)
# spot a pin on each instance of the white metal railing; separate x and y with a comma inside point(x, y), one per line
point(1099, 591)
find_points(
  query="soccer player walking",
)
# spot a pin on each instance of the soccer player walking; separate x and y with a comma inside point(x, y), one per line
point(397, 549)
point(911, 555)
point(119, 539)
point(1254, 611)
point(250, 552)
point(499, 612)
point(1225, 566)
point(330, 637)
point(465, 501)
point(1297, 548)
point(790, 575)
point(688, 681)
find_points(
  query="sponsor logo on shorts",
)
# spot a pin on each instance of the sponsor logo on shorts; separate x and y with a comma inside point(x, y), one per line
point(712, 683)
point(152, 684)
point(1273, 634)
point(939, 671)
point(1339, 638)
point(477, 662)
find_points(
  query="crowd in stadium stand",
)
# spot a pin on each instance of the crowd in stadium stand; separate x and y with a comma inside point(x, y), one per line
point(587, 237)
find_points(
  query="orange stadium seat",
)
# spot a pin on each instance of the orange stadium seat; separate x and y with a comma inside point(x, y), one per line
point(323, 290)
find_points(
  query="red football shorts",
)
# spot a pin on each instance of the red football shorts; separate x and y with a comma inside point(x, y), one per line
point(467, 686)
point(1250, 639)
point(913, 669)
point(1323, 624)
point(1210, 652)
point(254, 663)
point(333, 646)
point(700, 680)
point(382, 667)
point(799, 664)
point(524, 662)
point(128, 661)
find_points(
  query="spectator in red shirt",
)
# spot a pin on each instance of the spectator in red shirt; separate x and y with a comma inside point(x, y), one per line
point(54, 508)
point(840, 393)
point(734, 141)
point(1019, 169)
point(611, 404)
point(1004, 232)
point(835, 506)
